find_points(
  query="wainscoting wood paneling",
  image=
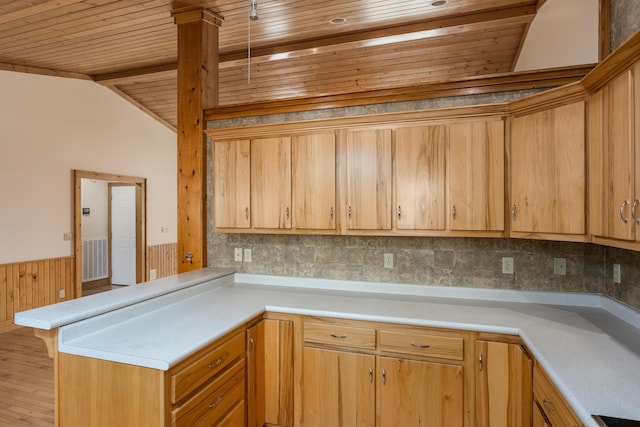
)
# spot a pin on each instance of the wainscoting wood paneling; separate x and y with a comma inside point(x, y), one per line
point(32, 284)
point(162, 258)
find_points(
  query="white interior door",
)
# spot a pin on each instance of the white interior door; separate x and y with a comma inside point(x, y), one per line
point(123, 235)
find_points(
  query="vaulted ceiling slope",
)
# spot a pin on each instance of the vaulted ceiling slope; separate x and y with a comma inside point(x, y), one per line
point(130, 45)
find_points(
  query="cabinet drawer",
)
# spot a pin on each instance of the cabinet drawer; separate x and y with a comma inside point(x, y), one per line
point(339, 335)
point(214, 401)
point(185, 381)
point(551, 401)
point(235, 418)
point(420, 344)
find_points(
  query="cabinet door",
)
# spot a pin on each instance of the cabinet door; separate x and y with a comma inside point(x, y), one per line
point(314, 181)
point(539, 420)
point(548, 171)
point(420, 178)
point(611, 160)
point(271, 182)
point(476, 176)
point(414, 393)
point(338, 389)
point(368, 179)
point(504, 385)
point(269, 373)
point(231, 183)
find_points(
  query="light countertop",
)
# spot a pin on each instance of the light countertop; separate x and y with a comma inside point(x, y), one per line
point(592, 355)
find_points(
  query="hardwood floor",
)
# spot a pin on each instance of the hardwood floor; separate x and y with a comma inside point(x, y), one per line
point(26, 381)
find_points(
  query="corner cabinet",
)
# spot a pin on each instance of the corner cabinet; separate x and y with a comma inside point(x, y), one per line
point(548, 177)
point(614, 161)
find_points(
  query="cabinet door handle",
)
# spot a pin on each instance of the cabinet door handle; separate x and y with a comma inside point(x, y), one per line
point(384, 376)
point(331, 213)
point(252, 347)
point(622, 206)
point(246, 213)
point(216, 403)
point(453, 212)
point(480, 361)
point(513, 211)
point(418, 345)
point(340, 337)
point(349, 212)
point(633, 211)
point(399, 212)
point(549, 406)
point(370, 375)
point(216, 363)
point(286, 213)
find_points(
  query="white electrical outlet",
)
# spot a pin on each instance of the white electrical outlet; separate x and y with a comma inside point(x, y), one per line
point(507, 265)
point(237, 254)
point(616, 274)
point(560, 266)
point(153, 274)
point(388, 260)
point(61, 293)
point(247, 255)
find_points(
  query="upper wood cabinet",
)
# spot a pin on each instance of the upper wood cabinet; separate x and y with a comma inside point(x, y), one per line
point(614, 156)
point(476, 175)
point(231, 183)
point(548, 173)
point(420, 177)
point(271, 183)
point(314, 181)
point(368, 174)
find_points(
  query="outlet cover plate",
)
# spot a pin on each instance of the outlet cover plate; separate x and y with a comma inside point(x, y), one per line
point(617, 275)
point(237, 254)
point(560, 266)
point(247, 255)
point(507, 265)
point(388, 260)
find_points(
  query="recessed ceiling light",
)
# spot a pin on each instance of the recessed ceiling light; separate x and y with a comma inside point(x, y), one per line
point(337, 21)
point(437, 3)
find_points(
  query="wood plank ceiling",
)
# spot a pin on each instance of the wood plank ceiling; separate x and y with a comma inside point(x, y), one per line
point(130, 45)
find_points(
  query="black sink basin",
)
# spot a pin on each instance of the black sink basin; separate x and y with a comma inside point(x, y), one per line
point(615, 422)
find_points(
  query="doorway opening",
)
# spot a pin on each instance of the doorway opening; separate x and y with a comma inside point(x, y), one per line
point(113, 252)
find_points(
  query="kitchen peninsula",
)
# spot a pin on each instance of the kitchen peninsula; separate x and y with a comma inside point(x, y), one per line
point(185, 343)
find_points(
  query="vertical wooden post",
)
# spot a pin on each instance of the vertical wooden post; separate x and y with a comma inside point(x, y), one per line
point(604, 29)
point(197, 89)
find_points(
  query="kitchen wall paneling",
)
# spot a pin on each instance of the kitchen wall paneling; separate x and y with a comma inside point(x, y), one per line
point(162, 258)
point(31, 284)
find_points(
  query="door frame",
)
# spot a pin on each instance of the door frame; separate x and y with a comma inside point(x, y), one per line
point(141, 220)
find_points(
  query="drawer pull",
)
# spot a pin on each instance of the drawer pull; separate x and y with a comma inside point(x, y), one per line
point(417, 345)
point(216, 403)
point(216, 363)
point(384, 376)
point(370, 375)
point(340, 337)
point(549, 406)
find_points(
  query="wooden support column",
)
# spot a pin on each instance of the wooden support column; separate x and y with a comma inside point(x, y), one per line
point(197, 90)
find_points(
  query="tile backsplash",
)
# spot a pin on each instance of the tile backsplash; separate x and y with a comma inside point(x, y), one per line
point(443, 261)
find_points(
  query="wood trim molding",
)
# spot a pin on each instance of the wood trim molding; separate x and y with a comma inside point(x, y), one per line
point(548, 99)
point(42, 71)
point(623, 57)
point(604, 29)
point(498, 110)
point(469, 86)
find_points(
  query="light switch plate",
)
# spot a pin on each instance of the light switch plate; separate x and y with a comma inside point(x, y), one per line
point(507, 265)
point(388, 260)
point(247, 255)
point(617, 275)
point(560, 266)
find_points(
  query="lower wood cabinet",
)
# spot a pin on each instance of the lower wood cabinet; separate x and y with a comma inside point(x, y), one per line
point(552, 407)
point(504, 378)
point(206, 389)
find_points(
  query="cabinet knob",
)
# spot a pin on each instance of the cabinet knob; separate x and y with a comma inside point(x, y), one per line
point(633, 211)
point(622, 206)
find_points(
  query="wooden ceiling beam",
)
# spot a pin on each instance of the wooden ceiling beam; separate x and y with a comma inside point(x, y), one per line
point(42, 71)
point(524, 13)
point(138, 75)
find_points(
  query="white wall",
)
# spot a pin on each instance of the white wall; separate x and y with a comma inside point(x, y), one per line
point(50, 126)
point(95, 196)
point(563, 33)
